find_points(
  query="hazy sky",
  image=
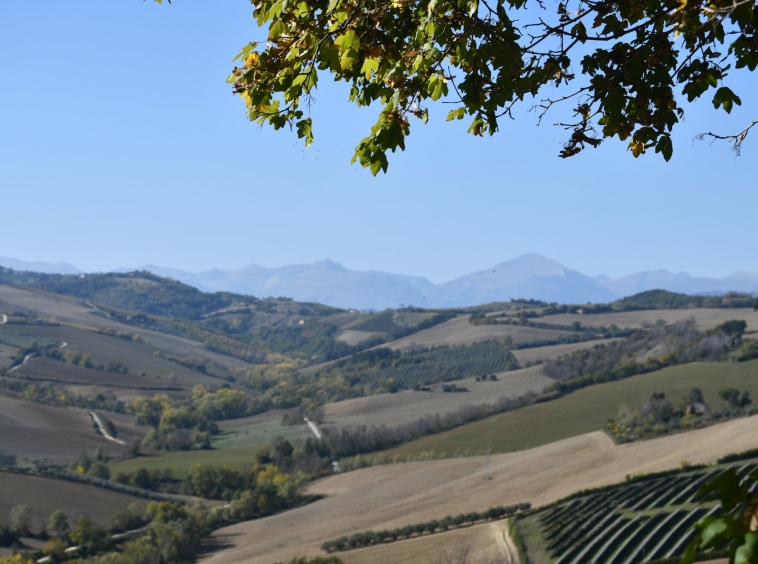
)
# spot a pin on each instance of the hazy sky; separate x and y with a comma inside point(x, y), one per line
point(121, 145)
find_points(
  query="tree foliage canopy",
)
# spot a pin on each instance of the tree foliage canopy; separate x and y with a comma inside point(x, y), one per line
point(625, 66)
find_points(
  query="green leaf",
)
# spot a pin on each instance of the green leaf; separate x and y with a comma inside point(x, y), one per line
point(370, 65)
point(690, 553)
point(725, 98)
point(458, 113)
point(747, 553)
point(714, 531)
point(348, 44)
point(305, 130)
point(332, 6)
point(580, 32)
point(277, 28)
point(665, 147)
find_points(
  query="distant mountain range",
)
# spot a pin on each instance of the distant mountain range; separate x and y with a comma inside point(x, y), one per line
point(529, 276)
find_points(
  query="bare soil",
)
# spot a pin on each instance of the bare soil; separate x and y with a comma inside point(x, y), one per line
point(49, 370)
point(45, 495)
point(33, 431)
point(401, 494)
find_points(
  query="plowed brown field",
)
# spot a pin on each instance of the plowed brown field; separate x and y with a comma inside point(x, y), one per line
point(33, 431)
point(44, 495)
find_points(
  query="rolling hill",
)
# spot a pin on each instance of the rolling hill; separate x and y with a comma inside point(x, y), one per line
point(393, 496)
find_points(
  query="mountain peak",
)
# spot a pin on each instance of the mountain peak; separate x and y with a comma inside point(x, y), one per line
point(328, 264)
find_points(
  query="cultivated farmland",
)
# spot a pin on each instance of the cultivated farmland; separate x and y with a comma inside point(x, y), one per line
point(138, 357)
point(640, 521)
point(392, 496)
point(45, 495)
point(584, 410)
point(32, 431)
point(68, 310)
point(48, 370)
point(410, 405)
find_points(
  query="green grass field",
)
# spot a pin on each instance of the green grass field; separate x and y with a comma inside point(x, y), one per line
point(231, 447)
point(179, 462)
point(585, 410)
point(257, 435)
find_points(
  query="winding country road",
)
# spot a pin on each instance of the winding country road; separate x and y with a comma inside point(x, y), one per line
point(26, 358)
point(103, 431)
point(312, 425)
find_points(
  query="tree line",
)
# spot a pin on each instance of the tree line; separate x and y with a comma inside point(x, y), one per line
point(369, 538)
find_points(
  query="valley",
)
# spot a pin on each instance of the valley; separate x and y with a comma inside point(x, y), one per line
point(421, 413)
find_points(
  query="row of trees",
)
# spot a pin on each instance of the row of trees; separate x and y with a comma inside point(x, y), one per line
point(359, 540)
point(360, 440)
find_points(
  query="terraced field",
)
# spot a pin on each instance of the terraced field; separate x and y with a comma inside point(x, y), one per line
point(585, 410)
point(409, 405)
point(631, 523)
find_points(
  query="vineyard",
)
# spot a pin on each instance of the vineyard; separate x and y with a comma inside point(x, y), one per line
point(427, 366)
point(644, 520)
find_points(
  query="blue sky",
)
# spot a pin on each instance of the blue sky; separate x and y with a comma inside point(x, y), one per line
point(121, 145)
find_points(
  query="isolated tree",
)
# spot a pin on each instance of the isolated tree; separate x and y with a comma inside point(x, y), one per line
point(731, 396)
point(625, 68)
point(21, 519)
point(58, 523)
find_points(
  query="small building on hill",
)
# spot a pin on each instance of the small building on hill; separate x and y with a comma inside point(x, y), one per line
point(696, 408)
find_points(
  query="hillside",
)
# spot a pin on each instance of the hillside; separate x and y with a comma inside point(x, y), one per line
point(33, 432)
point(418, 492)
point(45, 495)
point(583, 411)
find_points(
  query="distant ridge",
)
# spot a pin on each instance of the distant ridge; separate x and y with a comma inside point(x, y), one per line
point(528, 276)
point(46, 267)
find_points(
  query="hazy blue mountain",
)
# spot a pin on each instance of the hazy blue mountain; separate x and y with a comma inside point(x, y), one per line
point(529, 276)
point(325, 282)
point(680, 282)
point(46, 267)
